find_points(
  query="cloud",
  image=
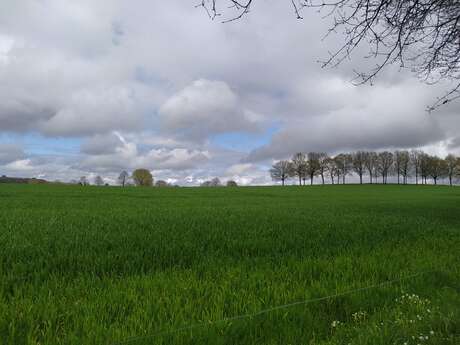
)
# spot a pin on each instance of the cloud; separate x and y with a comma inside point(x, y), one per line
point(10, 153)
point(366, 121)
point(205, 108)
point(96, 111)
point(114, 152)
point(102, 144)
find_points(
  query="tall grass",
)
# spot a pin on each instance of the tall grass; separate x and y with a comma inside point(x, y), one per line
point(111, 265)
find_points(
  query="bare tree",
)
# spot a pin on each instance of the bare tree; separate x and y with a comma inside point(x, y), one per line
point(404, 166)
point(232, 183)
point(384, 164)
point(313, 165)
point(424, 166)
point(83, 181)
point(397, 163)
point(416, 157)
point(215, 182)
point(161, 184)
point(281, 171)
point(359, 166)
point(370, 161)
point(299, 165)
point(452, 167)
point(123, 178)
point(98, 181)
point(401, 164)
point(437, 168)
point(343, 162)
point(331, 168)
point(323, 161)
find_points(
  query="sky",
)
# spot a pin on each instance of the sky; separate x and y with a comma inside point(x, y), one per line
point(92, 88)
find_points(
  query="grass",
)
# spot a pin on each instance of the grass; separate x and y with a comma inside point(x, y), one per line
point(116, 266)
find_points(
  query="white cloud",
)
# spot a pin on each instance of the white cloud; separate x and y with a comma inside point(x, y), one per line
point(368, 120)
point(204, 108)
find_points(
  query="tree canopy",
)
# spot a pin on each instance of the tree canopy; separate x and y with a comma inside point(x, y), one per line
point(143, 177)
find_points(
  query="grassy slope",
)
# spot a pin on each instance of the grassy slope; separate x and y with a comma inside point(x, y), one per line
point(99, 265)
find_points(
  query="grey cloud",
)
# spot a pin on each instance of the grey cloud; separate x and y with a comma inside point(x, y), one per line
point(454, 143)
point(10, 153)
point(204, 108)
point(367, 122)
point(101, 144)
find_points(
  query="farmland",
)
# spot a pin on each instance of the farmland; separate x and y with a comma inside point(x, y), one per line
point(107, 265)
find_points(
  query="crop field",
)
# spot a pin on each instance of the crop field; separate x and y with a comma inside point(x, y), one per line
point(106, 265)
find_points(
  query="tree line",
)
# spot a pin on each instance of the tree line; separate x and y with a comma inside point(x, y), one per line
point(144, 178)
point(139, 177)
point(375, 166)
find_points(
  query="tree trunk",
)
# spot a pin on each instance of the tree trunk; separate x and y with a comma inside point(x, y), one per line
point(322, 178)
point(360, 178)
point(282, 182)
point(311, 180)
point(300, 180)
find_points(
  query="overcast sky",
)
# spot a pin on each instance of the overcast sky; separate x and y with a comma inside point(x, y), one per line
point(96, 87)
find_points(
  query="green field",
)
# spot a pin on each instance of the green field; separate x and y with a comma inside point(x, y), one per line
point(89, 265)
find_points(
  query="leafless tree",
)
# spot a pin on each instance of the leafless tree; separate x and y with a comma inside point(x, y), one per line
point(232, 183)
point(384, 164)
point(123, 178)
point(299, 165)
point(424, 166)
point(343, 162)
point(370, 161)
point(331, 168)
point(422, 35)
point(83, 181)
point(313, 165)
point(215, 182)
point(359, 166)
point(397, 163)
point(323, 160)
point(98, 181)
point(401, 164)
point(404, 167)
point(437, 168)
point(452, 167)
point(161, 184)
point(416, 157)
point(281, 171)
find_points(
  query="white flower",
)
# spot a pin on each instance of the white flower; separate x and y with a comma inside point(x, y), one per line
point(335, 323)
